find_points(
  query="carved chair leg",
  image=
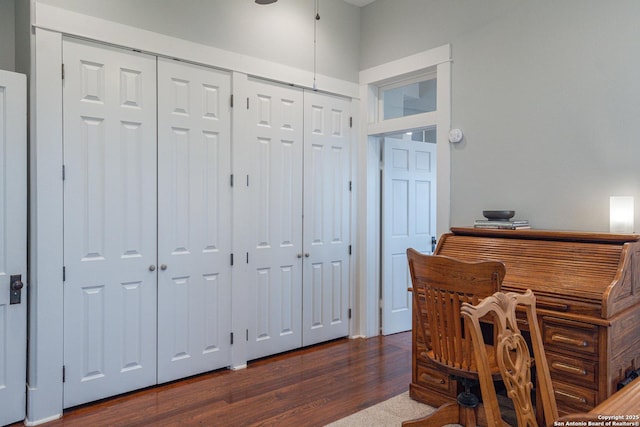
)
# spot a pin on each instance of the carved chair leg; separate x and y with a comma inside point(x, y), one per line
point(448, 413)
point(482, 418)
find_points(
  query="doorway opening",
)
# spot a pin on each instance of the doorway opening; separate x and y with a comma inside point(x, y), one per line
point(411, 94)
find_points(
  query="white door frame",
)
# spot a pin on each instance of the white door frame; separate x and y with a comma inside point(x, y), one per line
point(369, 160)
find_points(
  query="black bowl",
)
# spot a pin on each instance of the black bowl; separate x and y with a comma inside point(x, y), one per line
point(498, 215)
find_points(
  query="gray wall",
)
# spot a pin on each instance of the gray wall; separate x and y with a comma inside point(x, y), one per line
point(22, 36)
point(547, 93)
point(281, 32)
point(7, 35)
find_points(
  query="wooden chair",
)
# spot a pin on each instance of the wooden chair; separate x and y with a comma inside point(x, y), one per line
point(440, 285)
point(511, 352)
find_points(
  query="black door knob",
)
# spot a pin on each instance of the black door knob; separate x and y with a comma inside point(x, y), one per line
point(16, 285)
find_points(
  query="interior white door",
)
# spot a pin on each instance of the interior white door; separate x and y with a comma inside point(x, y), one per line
point(326, 217)
point(194, 219)
point(408, 221)
point(274, 144)
point(109, 100)
point(13, 246)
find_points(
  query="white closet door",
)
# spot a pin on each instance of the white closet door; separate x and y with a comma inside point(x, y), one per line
point(326, 218)
point(109, 221)
point(13, 245)
point(274, 144)
point(408, 221)
point(194, 220)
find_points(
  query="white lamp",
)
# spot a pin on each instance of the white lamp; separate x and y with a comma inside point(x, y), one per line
point(621, 214)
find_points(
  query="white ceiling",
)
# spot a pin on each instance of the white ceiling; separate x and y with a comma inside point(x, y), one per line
point(359, 2)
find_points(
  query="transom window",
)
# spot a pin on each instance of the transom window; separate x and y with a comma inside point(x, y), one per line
point(408, 97)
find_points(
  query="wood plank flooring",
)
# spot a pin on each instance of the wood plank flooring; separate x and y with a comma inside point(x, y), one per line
point(308, 387)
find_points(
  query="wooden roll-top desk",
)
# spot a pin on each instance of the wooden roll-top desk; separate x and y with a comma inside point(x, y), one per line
point(587, 287)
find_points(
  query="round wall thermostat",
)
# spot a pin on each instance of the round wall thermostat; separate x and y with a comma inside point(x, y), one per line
point(455, 135)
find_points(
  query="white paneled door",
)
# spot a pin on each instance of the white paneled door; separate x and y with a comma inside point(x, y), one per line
point(109, 100)
point(274, 156)
point(326, 217)
point(299, 218)
point(408, 221)
point(194, 217)
point(148, 219)
point(13, 246)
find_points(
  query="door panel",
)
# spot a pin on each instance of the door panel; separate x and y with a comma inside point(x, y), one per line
point(109, 221)
point(275, 183)
point(326, 218)
point(13, 245)
point(408, 218)
point(194, 217)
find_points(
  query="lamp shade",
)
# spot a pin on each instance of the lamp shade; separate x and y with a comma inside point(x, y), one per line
point(621, 214)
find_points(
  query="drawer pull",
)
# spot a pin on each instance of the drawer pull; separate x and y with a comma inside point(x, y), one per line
point(571, 396)
point(552, 305)
point(431, 379)
point(568, 368)
point(568, 340)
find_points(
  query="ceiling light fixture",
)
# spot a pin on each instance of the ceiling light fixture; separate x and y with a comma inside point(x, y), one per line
point(266, 1)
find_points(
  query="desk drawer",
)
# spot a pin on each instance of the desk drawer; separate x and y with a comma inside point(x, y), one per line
point(435, 379)
point(570, 336)
point(571, 398)
point(573, 370)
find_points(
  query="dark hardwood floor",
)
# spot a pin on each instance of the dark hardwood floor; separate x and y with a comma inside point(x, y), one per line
point(308, 387)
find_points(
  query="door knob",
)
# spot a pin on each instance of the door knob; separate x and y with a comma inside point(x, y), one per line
point(299, 255)
point(163, 267)
point(152, 267)
point(17, 285)
point(306, 254)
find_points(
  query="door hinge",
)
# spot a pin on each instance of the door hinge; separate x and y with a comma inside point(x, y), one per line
point(350, 122)
point(231, 180)
point(232, 259)
point(64, 273)
point(231, 101)
point(247, 102)
point(247, 335)
point(350, 185)
point(349, 249)
point(62, 71)
point(247, 180)
point(349, 313)
point(63, 173)
point(247, 257)
point(64, 373)
point(231, 338)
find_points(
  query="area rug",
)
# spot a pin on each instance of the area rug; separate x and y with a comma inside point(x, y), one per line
point(391, 412)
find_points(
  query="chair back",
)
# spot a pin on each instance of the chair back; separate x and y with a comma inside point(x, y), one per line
point(512, 356)
point(440, 285)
